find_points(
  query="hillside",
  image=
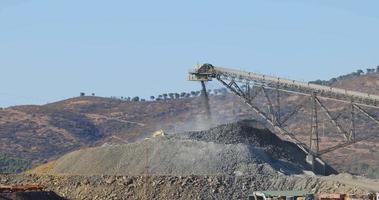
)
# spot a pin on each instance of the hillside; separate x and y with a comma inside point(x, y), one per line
point(37, 134)
point(365, 83)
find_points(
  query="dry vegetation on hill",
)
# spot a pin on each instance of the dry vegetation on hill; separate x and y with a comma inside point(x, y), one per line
point(41, 133)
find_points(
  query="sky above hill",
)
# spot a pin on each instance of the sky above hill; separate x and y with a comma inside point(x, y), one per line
point(51, 50)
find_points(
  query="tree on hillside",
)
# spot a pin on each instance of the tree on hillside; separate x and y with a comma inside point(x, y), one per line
point(183, 94)
point(193, 93)
point(135, 99)
point(377, 68)
point(171, 95)
point(333, 80)
point(319, 82)
point(165, 96)
point(369, 71)
point(177, 95)
point(360, 72)
point(152, 98)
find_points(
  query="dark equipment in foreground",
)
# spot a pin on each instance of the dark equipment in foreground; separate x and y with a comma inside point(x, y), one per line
point(18, 188)
point(281, 195)
point(26, 192)
point(302, 195)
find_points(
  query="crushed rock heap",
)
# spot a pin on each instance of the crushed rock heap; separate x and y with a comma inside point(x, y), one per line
point(241, 148)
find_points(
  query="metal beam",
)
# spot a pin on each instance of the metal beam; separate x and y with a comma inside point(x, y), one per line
point(271, 107)
point(345, 144)
point(340, 113)
point(297, 109)
point(352, 122)
point(354, 140)
point(366, 113)
point(257, 92)
point(248, 93)
point(238, 89)
point(279, 129)
point(314, 139)
point(278, 108)
point(335, 123)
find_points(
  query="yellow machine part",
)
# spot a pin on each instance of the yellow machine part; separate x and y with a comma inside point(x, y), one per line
point(159, 133)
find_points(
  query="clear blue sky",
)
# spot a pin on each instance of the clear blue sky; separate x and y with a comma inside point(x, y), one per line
point(51, 50)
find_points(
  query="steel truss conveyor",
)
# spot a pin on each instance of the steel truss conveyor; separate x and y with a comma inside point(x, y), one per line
point(235, 79)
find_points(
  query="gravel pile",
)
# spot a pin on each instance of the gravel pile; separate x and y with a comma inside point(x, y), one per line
point(226, 162)
point(251, 133)
point(241, 148)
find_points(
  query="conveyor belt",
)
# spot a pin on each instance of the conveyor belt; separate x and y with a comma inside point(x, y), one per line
point(286, 85)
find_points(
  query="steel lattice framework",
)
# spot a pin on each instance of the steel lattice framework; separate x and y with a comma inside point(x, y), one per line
point(248, 86)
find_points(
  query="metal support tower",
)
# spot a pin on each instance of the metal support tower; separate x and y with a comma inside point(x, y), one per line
point(270, 86)
point(352, 122)
point(314, 139)
point(278, 109)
